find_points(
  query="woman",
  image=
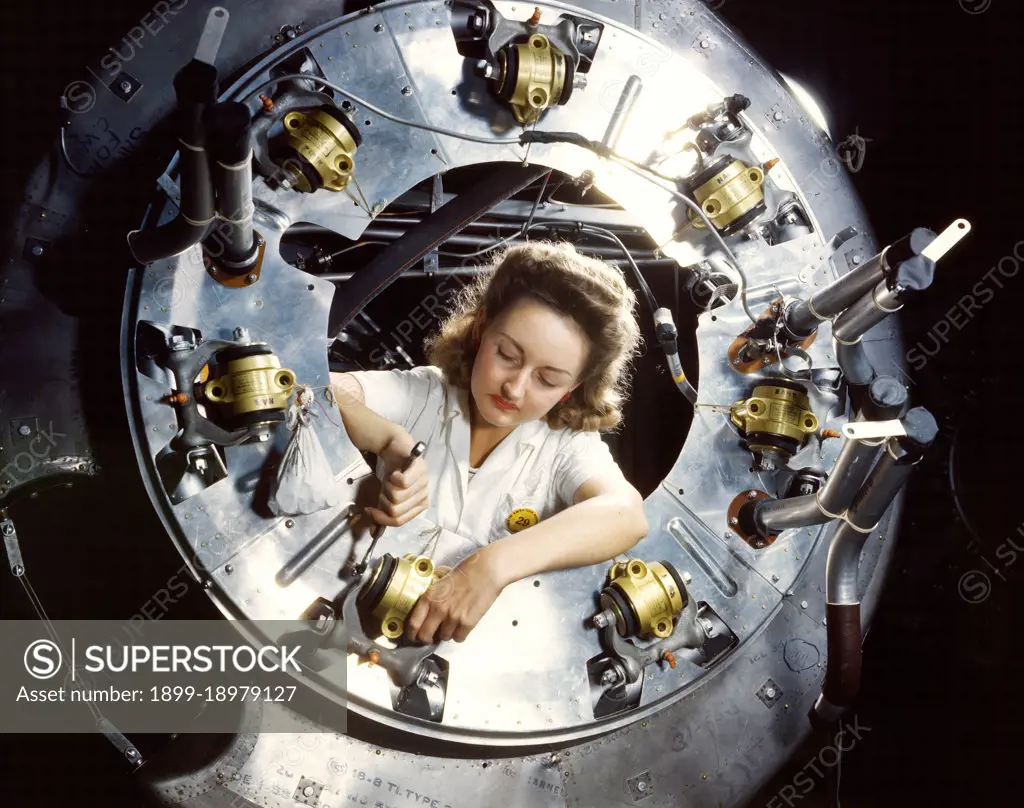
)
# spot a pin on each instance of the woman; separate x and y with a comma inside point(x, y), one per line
point(530, 363)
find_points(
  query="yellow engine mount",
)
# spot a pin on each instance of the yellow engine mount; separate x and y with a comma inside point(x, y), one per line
point(250, 386)
point(730, 194)
point(533, 76)
point(321, 147)
point(776, 419)
point(645, 598)
point(394, 588)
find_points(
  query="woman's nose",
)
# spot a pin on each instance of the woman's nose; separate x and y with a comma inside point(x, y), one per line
point(514, 387)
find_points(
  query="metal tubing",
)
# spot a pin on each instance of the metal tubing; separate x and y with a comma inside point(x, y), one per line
point(866, 313)
point(772, 516)
point(803, 316)
point(316, 548)
point(871, 503)
point(627, 100)
point(851, 470)
point(853, 361)
point(235, 209)
point(842, 676)
point(229, 129)
point(195, 86)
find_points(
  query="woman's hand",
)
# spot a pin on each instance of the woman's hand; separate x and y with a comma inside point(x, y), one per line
point(403, 494)
point(453, 605)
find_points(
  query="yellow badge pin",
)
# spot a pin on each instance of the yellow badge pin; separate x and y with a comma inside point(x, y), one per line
point(520, 519)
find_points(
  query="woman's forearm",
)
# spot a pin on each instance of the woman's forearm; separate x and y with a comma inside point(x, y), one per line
point(367, 430)
point(590, 532)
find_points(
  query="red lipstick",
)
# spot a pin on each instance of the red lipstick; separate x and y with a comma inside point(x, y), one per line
point(501, 404)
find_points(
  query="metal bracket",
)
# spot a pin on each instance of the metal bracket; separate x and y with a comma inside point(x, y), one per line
point(872, 430)
point(430, 260)
point(125, 86)
point(123, 745)
point(947, 239)
point(12, 547)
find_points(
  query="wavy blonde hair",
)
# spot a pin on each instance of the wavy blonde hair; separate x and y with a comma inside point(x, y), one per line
point(591, 292)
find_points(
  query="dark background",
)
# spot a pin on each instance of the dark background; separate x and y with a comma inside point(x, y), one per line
point(936, 90)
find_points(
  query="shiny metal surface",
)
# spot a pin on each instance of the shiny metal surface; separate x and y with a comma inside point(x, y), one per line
point(697, 736)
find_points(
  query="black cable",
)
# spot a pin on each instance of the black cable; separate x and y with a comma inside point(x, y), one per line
point(636, 270)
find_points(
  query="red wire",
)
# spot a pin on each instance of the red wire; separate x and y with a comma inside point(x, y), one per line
point(326, 413)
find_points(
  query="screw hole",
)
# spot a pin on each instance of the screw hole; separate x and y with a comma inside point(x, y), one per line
point(536, 583)
point(515, 622)
point(367, 122)
point(309, 287)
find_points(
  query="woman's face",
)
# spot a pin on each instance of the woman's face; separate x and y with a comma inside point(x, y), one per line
point(529, 357)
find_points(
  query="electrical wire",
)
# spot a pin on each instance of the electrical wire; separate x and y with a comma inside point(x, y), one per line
point(600, 231)
point(404, 121)
point(356, 245)
point(635, 167)
point(744, 285)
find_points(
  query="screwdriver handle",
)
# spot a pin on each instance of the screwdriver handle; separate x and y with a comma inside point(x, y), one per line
point(378, 530)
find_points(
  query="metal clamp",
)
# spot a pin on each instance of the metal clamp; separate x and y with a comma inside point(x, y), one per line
point(869, 430)
point(13, 548)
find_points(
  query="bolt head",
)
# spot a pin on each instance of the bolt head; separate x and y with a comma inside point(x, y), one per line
point(18, 570)
point(289, 523)
point(407, 90)
point(770, 692)
point(641, 786)
point(229, 569)
point(775, 579)
point(24, 430)
point(126, 86)
point(767, 360)
point(37, 249)
point(250, 278)
point(803, 604)
point(290, 34)
point(856, 260)
point(778, 116)
point(687, 577)
point(378, 28)
point(751, 494)
point(733, 520)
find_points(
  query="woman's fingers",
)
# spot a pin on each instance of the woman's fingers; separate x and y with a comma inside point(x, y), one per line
point(397, 495)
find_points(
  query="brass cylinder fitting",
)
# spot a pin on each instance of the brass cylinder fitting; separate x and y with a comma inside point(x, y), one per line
point(249, 386)
point(645, 598)
point(533, 76)
point(319, 146)
point(394, 588)
point(730, 194)
point(776, 419)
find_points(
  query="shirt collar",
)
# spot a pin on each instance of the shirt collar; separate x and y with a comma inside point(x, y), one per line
point(527, 434)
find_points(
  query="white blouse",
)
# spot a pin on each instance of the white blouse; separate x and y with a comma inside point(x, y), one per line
point(531, 475)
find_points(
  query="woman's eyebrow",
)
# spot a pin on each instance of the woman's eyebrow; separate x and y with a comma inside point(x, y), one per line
point(520, 349)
